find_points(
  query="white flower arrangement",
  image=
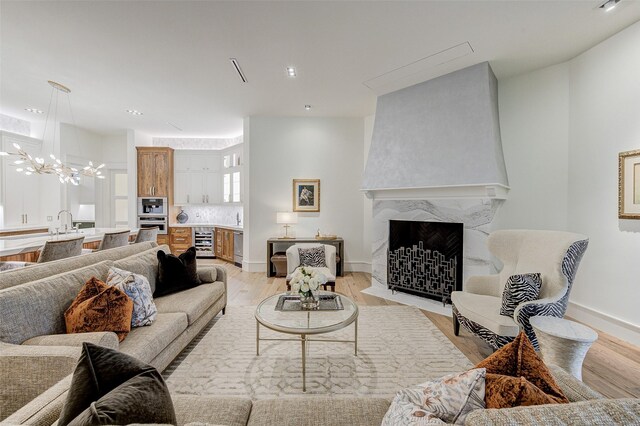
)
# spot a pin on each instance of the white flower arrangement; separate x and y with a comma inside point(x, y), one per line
point(305, 281)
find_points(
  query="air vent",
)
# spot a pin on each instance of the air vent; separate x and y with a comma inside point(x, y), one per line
point(236, 65)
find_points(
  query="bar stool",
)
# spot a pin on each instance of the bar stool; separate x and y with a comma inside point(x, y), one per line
point(61, 249)
point(147, 234)
point(114, 239)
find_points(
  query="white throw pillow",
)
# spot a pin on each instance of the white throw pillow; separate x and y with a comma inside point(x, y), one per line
point(447, 400)
point(138, 289)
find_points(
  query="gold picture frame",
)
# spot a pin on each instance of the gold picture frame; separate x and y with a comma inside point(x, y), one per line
point(629, 185)
point(306, 195)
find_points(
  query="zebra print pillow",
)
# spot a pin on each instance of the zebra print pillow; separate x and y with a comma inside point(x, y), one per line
point(312, 256)
point(520, 288)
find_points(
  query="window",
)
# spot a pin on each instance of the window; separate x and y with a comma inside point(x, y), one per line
point(226, 188)
point(236, 187)
point(120, 211)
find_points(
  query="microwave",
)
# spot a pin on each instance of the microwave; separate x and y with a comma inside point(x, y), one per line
point(152, 206)
point(159, 222)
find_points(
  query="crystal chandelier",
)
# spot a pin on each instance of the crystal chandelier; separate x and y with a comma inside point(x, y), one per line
point(29, 165)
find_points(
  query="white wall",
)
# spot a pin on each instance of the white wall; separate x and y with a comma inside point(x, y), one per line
point(562, 130)
point(604, 120)
point(280, 149)
point(534, 123)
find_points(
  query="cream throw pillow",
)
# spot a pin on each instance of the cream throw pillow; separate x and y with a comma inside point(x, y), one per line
point(447, 400)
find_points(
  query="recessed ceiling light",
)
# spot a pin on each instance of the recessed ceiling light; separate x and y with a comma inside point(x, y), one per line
point(291, 72)
point(609, 5)
point(134, 112)
point(307, 107)
point(34, 110)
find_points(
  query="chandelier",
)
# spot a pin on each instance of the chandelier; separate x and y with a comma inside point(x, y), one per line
point(29, 165)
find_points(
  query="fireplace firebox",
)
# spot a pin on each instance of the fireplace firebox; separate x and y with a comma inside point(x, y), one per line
point(425, 258)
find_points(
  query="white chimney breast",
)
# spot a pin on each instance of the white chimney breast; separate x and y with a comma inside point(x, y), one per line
point(441, 133)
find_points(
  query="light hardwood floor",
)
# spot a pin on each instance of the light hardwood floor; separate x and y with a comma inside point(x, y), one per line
point(612, 367)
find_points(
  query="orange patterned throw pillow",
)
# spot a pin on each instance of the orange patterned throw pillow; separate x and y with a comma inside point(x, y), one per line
point(517, 376)
point(100, 307)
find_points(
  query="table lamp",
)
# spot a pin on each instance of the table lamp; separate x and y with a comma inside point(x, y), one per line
point(286, 219)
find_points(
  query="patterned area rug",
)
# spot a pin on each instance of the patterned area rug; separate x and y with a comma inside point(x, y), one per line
point(397, 347)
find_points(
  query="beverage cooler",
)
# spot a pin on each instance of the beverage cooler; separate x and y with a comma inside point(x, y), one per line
point(203, 240)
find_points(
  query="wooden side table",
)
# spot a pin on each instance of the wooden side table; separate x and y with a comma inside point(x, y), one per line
point(563, 342)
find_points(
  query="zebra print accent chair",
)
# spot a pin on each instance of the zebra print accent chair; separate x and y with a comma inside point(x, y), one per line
point(555, 255)
point(329, 270)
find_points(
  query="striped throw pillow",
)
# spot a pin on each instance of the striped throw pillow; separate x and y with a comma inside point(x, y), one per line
point(520, 288)
point(312, 256)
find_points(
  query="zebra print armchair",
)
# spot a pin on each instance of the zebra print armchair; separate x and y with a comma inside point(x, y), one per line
point(555, 255)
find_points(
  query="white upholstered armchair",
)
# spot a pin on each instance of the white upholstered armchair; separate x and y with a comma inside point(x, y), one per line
point(554, 254)
point(329, 271)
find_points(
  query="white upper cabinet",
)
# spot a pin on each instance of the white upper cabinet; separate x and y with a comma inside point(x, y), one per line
point(231, 175)
point(20, 194)
point(197, 177)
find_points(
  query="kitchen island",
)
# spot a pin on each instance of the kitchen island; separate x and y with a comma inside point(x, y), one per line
point(25, 247)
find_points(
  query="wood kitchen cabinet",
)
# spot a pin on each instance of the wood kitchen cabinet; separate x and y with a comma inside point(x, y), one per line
point(224, 244)
point(155, 172)
point(180, 239)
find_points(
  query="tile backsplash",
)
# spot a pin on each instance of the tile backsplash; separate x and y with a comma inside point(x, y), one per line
point(218, 215)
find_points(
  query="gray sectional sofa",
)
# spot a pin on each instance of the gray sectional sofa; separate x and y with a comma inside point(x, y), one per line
point(36, 359)
point(35, 352)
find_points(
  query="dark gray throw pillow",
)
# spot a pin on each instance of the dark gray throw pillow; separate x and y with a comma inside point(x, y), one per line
point(110, 387)
point(176, 273)
point(520, 288)
point(312, 256)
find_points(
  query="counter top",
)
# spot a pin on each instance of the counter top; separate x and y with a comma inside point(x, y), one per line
point(23, 228)
point(210, 225)
point(29, 243)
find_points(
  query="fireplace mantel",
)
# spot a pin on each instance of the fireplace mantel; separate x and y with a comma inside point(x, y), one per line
point(494, 191)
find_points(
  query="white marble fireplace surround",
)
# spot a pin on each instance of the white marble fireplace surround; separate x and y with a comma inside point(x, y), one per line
point(477, 216)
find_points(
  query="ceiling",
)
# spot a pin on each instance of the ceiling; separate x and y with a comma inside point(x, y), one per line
point(170, 59)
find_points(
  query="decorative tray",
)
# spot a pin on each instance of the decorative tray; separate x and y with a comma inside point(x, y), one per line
point(328, 302)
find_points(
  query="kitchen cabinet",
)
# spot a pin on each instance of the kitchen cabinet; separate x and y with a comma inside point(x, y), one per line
point(224, 244)
point(197, 178)
point(180, 239)
point(20, 193)
point(155, 172)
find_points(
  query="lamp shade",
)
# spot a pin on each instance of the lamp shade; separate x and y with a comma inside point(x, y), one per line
point(86, 212)
point(286, 217)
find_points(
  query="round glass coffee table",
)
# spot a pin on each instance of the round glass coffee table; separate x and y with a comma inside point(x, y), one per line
point(306, 323)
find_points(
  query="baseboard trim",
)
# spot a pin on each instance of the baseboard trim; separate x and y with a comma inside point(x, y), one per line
point(348, 266)
point(617, 327)
point(357, 266)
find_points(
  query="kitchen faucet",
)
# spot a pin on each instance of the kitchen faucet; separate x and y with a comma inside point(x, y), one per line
point(70, 215)
point(238, 219)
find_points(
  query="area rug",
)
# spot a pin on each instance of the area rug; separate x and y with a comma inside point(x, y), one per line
point(397, 347)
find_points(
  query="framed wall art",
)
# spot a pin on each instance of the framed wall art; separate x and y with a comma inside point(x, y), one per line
point(629, 185)
point(306, 195)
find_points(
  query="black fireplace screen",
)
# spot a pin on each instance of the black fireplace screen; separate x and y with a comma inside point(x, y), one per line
point(425, 258)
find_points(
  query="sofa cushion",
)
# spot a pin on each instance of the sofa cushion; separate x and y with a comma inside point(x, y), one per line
point(318, 411)
point(176, 273)
point(595, 412)
point(137, 287)
point(194, 301)
point(212, 410)
point(143, 263)
point(520, 288)
point(519, 359)
point(107, 339)
point(485, 310)
point(100, 307)
point(448, 399)
point(109, 387)
point(44, 270)
point(145, 343)
point(37, 308)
